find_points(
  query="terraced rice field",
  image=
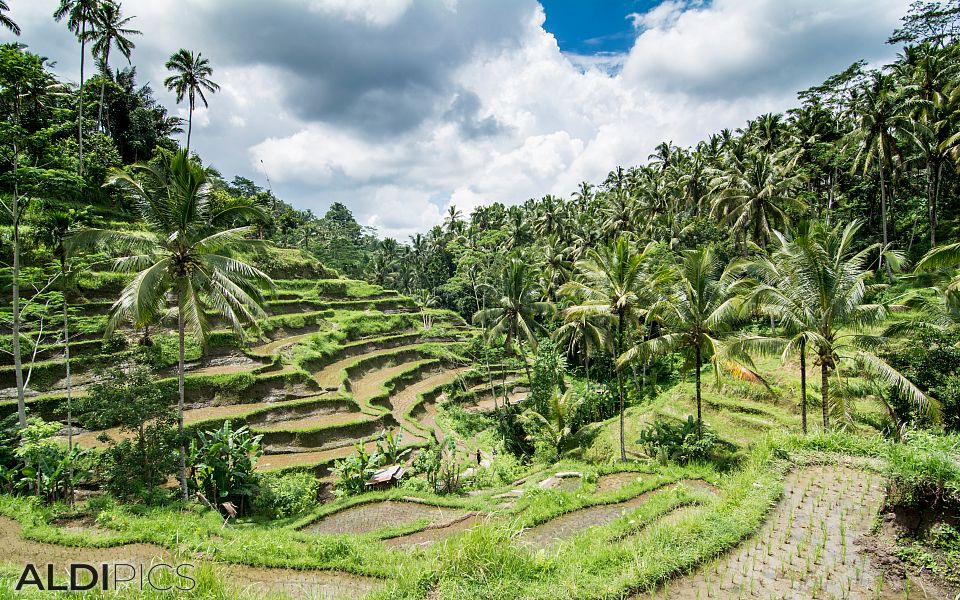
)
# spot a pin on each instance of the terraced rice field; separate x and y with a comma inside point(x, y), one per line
point(257, 580)
point(370, 517)
point(810, 546)
point(286, 401)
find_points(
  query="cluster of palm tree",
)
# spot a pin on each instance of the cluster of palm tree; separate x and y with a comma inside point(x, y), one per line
point(637, 303)
point(101, 23)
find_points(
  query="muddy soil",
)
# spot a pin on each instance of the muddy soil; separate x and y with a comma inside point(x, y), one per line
point(572, 523)
point(378, 515)
point(809, 548)
point(435, 533)
point(298, 584)
point(615, 481)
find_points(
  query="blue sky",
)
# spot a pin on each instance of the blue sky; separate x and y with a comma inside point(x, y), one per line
point(401, 108)
point(593, 27)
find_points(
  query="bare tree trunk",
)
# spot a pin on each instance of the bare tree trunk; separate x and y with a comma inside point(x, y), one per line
point(623, 447)
point(66, 355)
point(883, 216)
point(803, 385)
point(697, 360)
point(825, 392)
point(83, 53)
point(180, 386)
point(15, 284)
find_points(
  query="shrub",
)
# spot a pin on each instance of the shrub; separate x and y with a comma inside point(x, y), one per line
point(284, 495)
point(440, 464)
point(601, 451)
point(222, 464)
point(925, 470)
point(677, 442)
point(352, 472)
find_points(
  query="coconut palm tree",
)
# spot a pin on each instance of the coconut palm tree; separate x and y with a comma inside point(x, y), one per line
point(6, 21)
point(697, 311)
point(110, 31)
point(945, 257)
point(81, 17)
point(754, 197)
point(613, 283)
point(514, 314)
point(879, 124)
point(823, 302)
point(191, 78)
point(183, 257)
point(583, 334)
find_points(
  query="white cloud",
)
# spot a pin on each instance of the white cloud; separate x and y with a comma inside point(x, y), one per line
point(413, 105)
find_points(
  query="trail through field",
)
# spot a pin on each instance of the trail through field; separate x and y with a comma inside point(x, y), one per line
point(369, 385)
point(330, 376)
point(88, 439)
point(807, 549)
point(271, 462)
point(254, 580)
point(402, 400)
point(379, 515)
point(271, 348)
point(435, 532)
point(570, 524)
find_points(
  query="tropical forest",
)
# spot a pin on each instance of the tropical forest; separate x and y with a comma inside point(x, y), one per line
point(725, 369)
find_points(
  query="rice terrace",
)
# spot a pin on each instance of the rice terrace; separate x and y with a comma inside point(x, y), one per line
point(352, 300)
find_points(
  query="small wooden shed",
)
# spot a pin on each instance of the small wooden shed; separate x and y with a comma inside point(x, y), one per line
point(386, 477)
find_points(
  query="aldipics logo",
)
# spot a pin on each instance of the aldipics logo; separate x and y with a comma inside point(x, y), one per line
point(107, 576)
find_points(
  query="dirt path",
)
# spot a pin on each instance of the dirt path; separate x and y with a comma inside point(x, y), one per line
point(320, 419)
point(258, 581)
point(572, 523)
point(271, 462)
point(435, 532)
point(271, 348)
point(378, 515)
point(808, 548)
point(408, 396)
point(370, 384)
point(88, 439)
point(330, 376)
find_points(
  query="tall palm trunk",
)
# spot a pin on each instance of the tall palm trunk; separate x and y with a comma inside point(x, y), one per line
point(825, 392)
point(83, 53)
point(883, 216)
point(803, 385)
point(933, 191)
point(620, 324)
point(190, 124)
point(180, 378)
point(698, 359)
point(66, 355)
point(15, 284)
point(103, 88)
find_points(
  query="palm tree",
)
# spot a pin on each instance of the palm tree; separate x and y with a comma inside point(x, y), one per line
point(111, 31)
point(514, 314)
point(771, 284)
point(879, 122)
point(945, 257)
point(754, 197)
point(6, 21)
point(191, 79)
point(611, 284)
point(697, 311)
point(184, 255)
point(823, 300)
point(81, 17)
point(584, 334)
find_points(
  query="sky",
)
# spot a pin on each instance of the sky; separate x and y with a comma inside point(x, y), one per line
point(400, 108)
